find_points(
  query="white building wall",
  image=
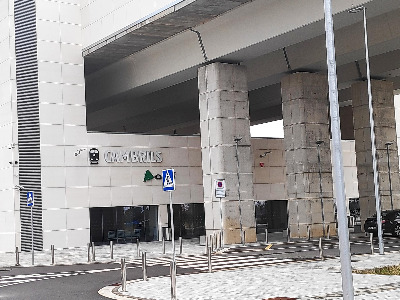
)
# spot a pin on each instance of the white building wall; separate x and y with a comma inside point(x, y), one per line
point(101, 18)
point(9, 197)
point(62, 114)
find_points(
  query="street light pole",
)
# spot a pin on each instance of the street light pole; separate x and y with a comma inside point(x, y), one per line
point(372, 125)
point(237, 140)
point(344, 244)
point(320, 186)
point(390, 177)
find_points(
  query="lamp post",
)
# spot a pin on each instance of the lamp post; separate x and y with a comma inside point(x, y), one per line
point(371, 122)
point(237, 140)
point(390, 177)
point(320, 185)
point(337, 158)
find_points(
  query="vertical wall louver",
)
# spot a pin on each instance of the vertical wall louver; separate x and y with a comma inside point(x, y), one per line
point(28, 120)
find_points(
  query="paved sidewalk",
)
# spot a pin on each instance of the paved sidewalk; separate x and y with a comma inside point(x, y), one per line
point(300, 280)
point(73, 256)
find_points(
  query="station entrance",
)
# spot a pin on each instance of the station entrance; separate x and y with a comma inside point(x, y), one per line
point(123, 224)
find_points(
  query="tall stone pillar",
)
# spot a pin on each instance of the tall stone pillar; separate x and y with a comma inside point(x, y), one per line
point(385, 131)
point(305, 120)
point(224, 116)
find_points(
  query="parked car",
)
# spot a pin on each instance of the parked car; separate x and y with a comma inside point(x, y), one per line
point(390, 223)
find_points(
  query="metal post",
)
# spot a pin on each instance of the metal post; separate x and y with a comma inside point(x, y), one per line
point(93, 252)
point(372, 125)
point(266, 235)
point(244, 237)
point(344, 244)
point(52, 254)
point(237, 139)
point(32, 248)
point(222, 222)
point(221, 240)
point(137, 247)
point(320, 185)
point(16, 257)
point(173, 280)
point(321, 253)
point(123, 274)
point(112, 249)
point(374, 160)
point(389, 173)
point(209, 260)
point(180, 245)
point(163, 245)
point(172, 227)
point(206, 245)
point(371, 240)
point(308, 233)
point(288, 235)
point(144, 265)
point(88, 252)
point(328, 231)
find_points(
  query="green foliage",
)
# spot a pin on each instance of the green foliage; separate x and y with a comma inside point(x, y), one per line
point(387, 270)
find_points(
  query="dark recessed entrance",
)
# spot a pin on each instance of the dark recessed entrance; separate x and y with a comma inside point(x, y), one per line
point(188, 220)
point(271, 214)
point(123, 224)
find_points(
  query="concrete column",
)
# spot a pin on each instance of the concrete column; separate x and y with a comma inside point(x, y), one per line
point(305, 120)
point(385, 131)
point(224, 115)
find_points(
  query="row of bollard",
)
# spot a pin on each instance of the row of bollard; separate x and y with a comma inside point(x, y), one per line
point(17, 262)
point(214, 241)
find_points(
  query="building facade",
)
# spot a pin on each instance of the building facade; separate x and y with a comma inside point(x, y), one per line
point(97, 98)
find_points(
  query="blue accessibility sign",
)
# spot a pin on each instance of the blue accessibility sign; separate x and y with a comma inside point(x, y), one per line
point(30, 199)
point(168, 180)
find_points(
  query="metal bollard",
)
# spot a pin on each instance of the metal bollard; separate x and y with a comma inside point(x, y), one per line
point(93, 252)
point(209, 260)
point(137, 248)
point(244, 237)
point(321, 254)
point(52, 254)
point(216, 240)
point(163, 245)
point(123, 274)
point(206, 249)
point(371, 240)
point(111, 249)
point(328, 230)
point(288, 235)
point(266, 236)
point(16, 257)
point(211, 242)
point(173, 280)
point(88, 252)
point(180, 245)
point(221, 239)
point(308, 233)
point(144, 265)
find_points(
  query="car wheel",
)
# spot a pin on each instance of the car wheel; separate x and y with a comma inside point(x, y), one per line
point(396, 230)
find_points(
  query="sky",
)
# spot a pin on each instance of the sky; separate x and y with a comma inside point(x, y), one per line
point(271, 129)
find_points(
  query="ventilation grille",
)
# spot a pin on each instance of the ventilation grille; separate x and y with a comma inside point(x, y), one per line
point(28, 121)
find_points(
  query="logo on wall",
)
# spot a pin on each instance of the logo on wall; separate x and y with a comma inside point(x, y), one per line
point(149, 176)
point(94, 156)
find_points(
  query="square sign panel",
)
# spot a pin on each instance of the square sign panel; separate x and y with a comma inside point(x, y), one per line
point(168, 180)
point(29, 199)
point(220, 188)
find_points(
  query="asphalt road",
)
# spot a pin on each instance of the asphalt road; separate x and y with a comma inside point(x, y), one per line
point(83, 281)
